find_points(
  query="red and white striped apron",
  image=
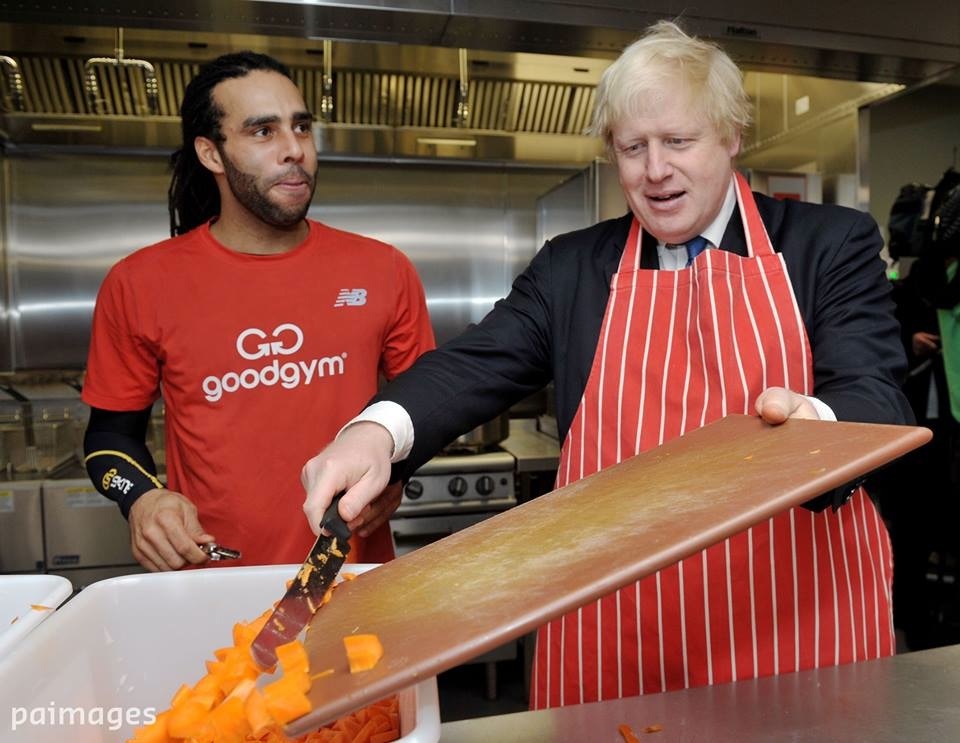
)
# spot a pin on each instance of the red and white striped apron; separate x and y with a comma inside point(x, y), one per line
point(677, 350)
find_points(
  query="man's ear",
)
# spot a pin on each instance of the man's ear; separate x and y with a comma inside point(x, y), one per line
point(208, 154)
point(733, 146)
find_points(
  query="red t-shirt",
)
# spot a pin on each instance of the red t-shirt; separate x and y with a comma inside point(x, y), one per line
point(260, 359)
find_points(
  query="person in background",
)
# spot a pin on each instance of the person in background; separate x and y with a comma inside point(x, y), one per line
point(704, 300)
point(265, 331)
point(926, 593)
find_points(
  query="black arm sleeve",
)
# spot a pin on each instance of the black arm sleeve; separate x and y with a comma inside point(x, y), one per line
point(116, 455)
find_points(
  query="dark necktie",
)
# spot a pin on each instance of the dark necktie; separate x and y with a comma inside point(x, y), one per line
point(695, 247)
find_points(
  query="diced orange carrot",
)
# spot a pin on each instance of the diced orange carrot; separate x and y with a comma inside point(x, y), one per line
point(363, 735)
point(627, 732)
point(229, 721)
point(181, 695)
point(363, 652)
point(256, 711)
point(242, 690)
point(208, 691)
point(155, 732)
point(292, 656)
point(349, 725)
point(189, 719)
point(41, 607)
point(286, 700)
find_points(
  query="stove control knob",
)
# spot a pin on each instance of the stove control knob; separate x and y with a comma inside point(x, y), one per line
point(485, 485)
point(457, 487)
point(413, 490)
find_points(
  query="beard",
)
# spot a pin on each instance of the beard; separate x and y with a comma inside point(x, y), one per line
point(249, 192)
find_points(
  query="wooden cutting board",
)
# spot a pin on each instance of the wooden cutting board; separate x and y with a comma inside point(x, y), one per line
point(454, 599)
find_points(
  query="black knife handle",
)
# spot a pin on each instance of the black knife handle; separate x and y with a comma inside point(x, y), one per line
point(334, 523)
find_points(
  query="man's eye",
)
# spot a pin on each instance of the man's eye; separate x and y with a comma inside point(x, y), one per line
point(263, 131)
point(304, 128)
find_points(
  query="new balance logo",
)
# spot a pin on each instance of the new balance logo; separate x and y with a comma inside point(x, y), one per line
point(351, 298)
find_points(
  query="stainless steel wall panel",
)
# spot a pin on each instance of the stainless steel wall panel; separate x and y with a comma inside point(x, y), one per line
point(69, 218)
point(468, 231)
point(6, 331)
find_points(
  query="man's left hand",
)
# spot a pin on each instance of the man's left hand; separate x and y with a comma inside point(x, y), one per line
point(377, 511)
point(777, 404)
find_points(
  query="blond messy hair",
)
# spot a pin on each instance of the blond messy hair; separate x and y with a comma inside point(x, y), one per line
point(666, 58)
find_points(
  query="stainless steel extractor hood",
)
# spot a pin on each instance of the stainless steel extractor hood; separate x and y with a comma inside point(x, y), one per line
point(388, 100)
point(394, 64)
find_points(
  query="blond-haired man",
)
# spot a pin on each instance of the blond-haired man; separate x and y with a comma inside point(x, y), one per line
point(704, 300)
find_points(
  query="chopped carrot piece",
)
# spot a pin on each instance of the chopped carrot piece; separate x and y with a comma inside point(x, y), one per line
point(208, 691)
point(181, 695)
point(242, 690)
point(189, 720)
point(229, 721)
point(349, 725)
point(285, 700)
point(256, 711)
point(155, 732)
point(653, 728)
point(363, 735)
point(292, 657)
point(363, 651)
point(41, 607)
point(627, 732)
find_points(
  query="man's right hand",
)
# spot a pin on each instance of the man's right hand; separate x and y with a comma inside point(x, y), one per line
point(357, 461)
point(165, 533)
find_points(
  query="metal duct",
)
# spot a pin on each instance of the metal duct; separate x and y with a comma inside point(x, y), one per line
point(374, 111)
point(54, 85)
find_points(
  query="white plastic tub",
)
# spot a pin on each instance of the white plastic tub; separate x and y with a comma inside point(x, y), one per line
point(18, 593)
point(121, 648)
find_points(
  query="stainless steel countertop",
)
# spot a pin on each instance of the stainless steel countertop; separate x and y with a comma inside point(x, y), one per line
point(534, 451)
point(911, 697)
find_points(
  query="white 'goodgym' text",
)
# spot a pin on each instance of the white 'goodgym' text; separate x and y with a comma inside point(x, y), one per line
point(289, 375)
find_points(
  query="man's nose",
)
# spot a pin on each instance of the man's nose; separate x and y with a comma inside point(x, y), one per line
point(658, 162)
point(293, 147)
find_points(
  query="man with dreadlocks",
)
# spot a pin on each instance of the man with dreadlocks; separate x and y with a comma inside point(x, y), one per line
point(264, 330)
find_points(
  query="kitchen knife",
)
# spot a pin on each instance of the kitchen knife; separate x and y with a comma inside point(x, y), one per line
point(305, 594)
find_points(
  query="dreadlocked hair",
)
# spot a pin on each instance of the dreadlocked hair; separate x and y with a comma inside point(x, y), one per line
point(193, 198)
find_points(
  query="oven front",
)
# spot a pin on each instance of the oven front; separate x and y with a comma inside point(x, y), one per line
point(450, 493)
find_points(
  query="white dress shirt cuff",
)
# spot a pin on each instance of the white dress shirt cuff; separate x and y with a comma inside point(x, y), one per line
point(823, 410)
point(395, 419)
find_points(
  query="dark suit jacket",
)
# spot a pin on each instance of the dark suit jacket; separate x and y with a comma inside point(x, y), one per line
point(549, 325)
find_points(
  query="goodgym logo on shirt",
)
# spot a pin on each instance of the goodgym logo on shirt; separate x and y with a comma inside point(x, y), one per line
point(284, 340)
